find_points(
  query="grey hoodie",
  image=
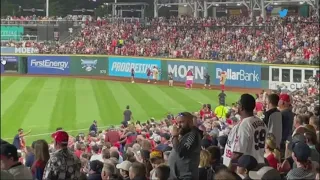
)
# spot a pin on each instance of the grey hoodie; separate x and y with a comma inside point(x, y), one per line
point(21, 172)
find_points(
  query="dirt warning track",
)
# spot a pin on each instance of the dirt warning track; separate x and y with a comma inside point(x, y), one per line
point(143, 81)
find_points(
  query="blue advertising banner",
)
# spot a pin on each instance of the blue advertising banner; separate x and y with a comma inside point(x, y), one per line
point(179, 70)
point(245, 76)
point(7, 50)
point(2, 68)
point(49, 65)
point(121, 66)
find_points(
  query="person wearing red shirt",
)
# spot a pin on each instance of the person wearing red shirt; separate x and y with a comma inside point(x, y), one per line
point(78, 152)
point(272, 154)
point(112, 136)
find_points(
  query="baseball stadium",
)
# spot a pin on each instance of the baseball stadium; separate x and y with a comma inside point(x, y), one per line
point(160, 90)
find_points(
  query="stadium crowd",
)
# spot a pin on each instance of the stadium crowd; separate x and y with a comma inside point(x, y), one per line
point(293, 40)
point(274, 135)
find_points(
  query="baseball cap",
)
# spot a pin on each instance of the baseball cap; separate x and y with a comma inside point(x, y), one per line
point(8, 151)
point(265, 173)
point(295, 139)
point(248, 162)
point(156, 155)
point(61, 137)
point(285, 98)
point(96, 165)
point(125, 165)
point(302, 151)
point(166, 136)
point(205, 143)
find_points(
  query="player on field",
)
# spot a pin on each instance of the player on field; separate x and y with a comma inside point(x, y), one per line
point(248, 136)
point(132, 75)
point(155, 73)
point(207, 81)
point(149, 74)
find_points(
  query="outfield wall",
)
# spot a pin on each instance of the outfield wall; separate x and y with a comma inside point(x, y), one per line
point(243, 75)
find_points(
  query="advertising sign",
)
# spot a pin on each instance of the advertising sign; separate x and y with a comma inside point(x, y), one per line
point(179, 70)
point(8, 50)
point(88, 65)
point(288, 85)
point(9, 63)
point(121, 67)
point(238, 75)
point(22, 50)
point(49, 65)
point(11, 32)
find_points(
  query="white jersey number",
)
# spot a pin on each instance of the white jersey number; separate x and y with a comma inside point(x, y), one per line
point(259, 139)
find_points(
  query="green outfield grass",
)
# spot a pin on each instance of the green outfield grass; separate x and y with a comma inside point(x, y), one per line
point(43, 104)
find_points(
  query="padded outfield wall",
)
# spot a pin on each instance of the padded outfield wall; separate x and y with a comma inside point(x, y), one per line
point(242, 75)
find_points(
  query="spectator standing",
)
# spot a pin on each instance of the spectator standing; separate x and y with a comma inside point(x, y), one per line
point(94, 127)
point(137, 171)
point(10, 163)
point(185, 156)
point(222, 98)
point(287, 118)
point(18, 140)
point(273, 118)
point(41, 151)
point(63, 164)
point(248, 136)
point(112, 136)
point(127, 116)
point(156, 158)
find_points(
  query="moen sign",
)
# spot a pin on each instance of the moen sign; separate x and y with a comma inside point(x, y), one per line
point(26, 50)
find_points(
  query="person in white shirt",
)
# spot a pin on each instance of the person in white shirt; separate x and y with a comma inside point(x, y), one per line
point(95, 154)
point(248, 136)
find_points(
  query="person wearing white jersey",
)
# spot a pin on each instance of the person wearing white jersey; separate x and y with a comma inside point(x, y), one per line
point(248, 136)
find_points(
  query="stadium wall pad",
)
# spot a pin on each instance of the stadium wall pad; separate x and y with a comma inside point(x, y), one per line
point(239, 74)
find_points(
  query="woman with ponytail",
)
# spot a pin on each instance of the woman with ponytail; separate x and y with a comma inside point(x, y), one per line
point(272, 154)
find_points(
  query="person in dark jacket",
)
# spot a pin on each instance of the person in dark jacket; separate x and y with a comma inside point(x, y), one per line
point(273, 118)
point(137, 171)
point(95, 170)
point(184, 158)
point(94, 127)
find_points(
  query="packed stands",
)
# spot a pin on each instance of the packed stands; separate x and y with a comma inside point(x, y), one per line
point(152, 150)
point(293, 40)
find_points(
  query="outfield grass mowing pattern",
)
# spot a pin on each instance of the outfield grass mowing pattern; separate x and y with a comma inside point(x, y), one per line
point(43, 104)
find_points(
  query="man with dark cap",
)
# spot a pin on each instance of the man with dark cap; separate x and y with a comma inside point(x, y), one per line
point(95, 170)
point(185, 156)
point(246, 163)
point(248, 136)
point(63, 164)
point(301, 153)
point(10, 163)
